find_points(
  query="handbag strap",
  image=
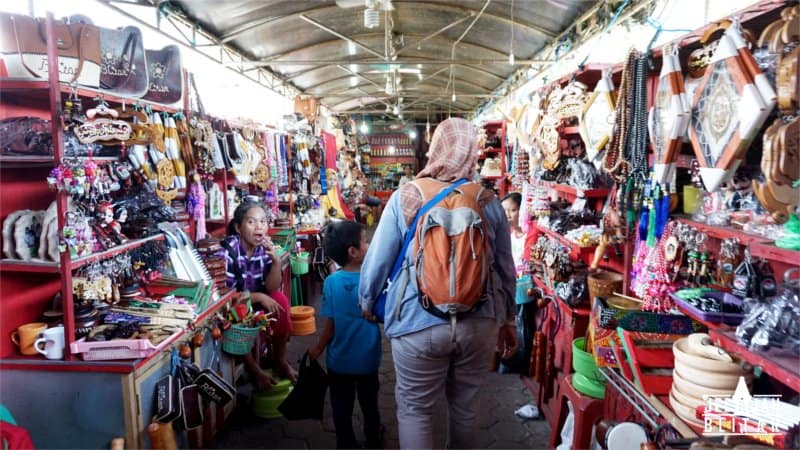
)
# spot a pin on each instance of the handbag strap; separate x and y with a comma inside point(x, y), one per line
point(398, 263)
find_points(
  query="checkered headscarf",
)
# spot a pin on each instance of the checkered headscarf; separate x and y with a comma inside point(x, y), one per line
point(452, 156)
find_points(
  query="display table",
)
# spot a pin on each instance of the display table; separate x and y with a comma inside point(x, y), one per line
point(88, 403)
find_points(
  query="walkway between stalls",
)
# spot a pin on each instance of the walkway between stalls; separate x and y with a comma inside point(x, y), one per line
point(499, 427)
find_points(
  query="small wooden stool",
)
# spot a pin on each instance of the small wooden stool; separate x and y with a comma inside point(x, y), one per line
point(586, 410)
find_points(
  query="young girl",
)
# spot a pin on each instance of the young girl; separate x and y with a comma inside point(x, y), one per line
point(518, 362)
point(252, 264)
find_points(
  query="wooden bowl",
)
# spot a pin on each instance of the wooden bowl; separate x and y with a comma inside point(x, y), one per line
point(685, 412)
point(685, 357)
point(693, 390)
point(686, 399)
point(704, 378)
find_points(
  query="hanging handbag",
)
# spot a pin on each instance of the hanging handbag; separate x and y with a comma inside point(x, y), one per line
point(212, 385)
point(307, 399)
point(23, 49)
point(25, 136)
point(165, 75)
point(191, 406)
point(167, 395)
point(123, 66)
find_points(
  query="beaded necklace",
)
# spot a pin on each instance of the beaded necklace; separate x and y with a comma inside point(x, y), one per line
point(613, 160)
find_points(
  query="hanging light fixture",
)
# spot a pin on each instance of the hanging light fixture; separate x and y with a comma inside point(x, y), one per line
point(372, 17)
point(395, 110)
point(412, 134)
point(364, 129)
point(511, 43)
point(353, 81)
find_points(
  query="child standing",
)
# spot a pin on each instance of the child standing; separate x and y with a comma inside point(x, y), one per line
point(353, 343)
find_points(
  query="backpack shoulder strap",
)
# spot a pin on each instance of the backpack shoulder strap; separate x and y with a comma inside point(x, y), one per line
point(237, 271)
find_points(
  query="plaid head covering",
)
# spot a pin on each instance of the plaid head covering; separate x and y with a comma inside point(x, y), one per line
point(453, 152)
point(452, 155)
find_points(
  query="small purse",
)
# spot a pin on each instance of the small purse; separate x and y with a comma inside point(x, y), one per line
point(167, 395)
point(191, 405)
point(212, 386)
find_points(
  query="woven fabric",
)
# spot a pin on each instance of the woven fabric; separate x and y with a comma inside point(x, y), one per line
point(452, 156)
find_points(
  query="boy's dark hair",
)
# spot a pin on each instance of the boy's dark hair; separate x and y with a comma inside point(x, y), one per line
point(515, 197)
point(338, 237)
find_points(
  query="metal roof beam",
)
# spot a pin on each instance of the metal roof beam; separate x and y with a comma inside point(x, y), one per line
point(340, 35)
point(415, 60)
point(260, 21)
point(322, 45)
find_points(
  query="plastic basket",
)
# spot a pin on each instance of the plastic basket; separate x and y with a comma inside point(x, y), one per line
point(238, 340)
point(300, 263)
point(286, 238)
point(603, 284)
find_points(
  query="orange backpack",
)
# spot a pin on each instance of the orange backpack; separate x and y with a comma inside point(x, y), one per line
point(451, 250)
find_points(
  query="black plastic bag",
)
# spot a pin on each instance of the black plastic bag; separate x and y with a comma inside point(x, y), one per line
point(307, 399)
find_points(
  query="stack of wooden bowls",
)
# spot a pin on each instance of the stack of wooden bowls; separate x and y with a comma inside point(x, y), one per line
point(303, 321)
point(702, 369)
point(210, 249)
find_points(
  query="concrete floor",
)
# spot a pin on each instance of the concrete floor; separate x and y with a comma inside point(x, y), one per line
point(500, 428)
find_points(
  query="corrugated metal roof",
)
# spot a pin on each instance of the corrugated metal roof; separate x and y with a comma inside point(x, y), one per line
point(310, 43)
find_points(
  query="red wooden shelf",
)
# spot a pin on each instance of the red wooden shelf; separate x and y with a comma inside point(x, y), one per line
point(113, 251)
point(16, 161)
point(576, 251)
point(783, 366)
point(216, 221)
point(577, 192)
point(723, 232)
point(15, 265)
point(12, 265)
point(15, 84)
point(21, 362)
point(40, 89)
point(773, 253)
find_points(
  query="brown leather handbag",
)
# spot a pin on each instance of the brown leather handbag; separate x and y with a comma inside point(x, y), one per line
point(23, 49)
point(123, 68)
point(165, 74)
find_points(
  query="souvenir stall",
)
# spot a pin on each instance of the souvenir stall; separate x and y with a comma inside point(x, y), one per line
point(114, 189)
point(659, 198)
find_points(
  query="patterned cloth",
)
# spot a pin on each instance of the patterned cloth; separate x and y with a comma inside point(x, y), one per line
point(252, 268)
point(452, 156)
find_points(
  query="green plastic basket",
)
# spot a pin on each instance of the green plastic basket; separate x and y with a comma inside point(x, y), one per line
point(286, 238)
point(300, 263)
point(238, 340)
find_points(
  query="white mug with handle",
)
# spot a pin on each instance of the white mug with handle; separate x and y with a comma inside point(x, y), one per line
point(51, 344)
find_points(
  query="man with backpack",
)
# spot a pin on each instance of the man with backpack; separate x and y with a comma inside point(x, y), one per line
point(449, 303)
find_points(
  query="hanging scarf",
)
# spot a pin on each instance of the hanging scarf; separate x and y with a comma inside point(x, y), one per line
point(196, 206)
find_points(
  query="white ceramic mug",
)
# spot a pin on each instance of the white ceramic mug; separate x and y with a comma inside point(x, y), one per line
point(51, 344)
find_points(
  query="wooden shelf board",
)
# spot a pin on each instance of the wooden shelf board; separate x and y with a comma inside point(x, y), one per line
point(113, 251)
point(723, 232)
point(16, 265)
point(773, 253)
point(781, 365)
point(39, 89)
point(11, 161)
point(21, 362)
point(577, 192)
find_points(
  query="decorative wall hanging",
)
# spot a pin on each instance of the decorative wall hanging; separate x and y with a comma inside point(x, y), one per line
point(780, 165)
point(165, 187)
point(567, 102)
point(597, 119)
point(669, 116)
point(103, 130)
point(727, 112)
point(548, 140)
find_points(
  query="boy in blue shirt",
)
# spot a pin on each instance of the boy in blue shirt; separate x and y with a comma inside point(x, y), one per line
point(353, 343)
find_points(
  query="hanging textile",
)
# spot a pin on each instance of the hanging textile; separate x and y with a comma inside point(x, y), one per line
point(329, 143)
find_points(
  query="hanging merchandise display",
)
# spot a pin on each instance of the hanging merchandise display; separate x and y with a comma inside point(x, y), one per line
point(669, 116)
point(597, 119)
